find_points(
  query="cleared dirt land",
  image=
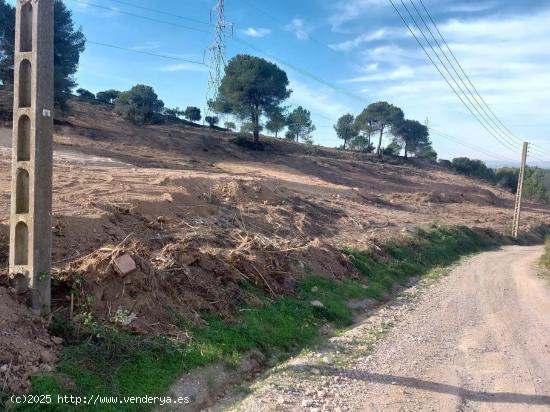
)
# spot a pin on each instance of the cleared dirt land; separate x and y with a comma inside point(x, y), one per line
point(199, 213)
point(479, 340)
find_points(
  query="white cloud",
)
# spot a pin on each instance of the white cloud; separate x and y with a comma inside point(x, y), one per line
point(402, 72)
point(372, 67)
point(392, 54)
point(183, 67)
point(359, 40)
point(298, 27)
point(471, 8)
point(256, 32)
point(504, 57)
point(149, 45)
point(347, 10)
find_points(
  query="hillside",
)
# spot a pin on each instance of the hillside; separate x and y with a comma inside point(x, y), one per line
point(200, 214)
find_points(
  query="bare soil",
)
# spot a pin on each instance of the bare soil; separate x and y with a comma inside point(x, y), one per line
point(476, 341)
point(201, 215)
point(25, 346)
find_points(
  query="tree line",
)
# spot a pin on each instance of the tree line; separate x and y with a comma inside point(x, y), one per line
point(139, 105)
point(253, 91)
point(361, 133)
point(536, 184)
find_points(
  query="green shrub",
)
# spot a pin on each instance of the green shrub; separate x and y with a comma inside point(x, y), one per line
point(139, 105)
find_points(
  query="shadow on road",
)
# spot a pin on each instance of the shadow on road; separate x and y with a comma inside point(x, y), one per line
point(462, 393)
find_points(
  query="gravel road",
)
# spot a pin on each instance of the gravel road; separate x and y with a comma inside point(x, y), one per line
point(476, 340)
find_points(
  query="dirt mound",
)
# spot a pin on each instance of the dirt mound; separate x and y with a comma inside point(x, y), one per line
point(190, 276)
point(242, 191)
point(25, 345)
point(479, 197)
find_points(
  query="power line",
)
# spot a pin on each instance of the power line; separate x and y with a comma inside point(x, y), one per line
point(237, 39)
point(323, 116)
point(160, 12)
point(503, 143)
point(471, 146)
point(272, 16)
point(466, 90)
point(536, 157)
point(252, 5)
point(486, 116)
point(243, 42)
point(139, 16)
point(302, 71)
point(164, 56)
point(493, 116)
point(537, 149)
point(475, 148)
point(295, 68)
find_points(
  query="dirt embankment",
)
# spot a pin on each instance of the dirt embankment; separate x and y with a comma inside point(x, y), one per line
point(201, 216)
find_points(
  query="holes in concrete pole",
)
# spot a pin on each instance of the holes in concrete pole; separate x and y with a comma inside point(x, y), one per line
point(25, 32)
point(25, 84)
point(22, 192)
point(24, 139)
point(21, 244)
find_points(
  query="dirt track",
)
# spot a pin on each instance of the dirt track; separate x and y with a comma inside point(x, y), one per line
point(479, 340)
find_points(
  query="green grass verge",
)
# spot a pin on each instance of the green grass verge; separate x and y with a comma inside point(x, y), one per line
point(105, 361)
point(545, 260)
point(425, 250)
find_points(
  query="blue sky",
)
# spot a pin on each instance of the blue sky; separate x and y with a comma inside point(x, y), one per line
point(358, 46)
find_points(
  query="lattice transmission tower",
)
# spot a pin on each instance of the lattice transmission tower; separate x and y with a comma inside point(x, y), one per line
point(215, 54)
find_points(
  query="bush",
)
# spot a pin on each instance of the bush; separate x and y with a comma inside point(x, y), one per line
point(139, 105)
point(473, 168)
point(212, 120)
point(107, 96)
point(85, 95)
point(243, 139)
point(193, 114)
point(447, 164)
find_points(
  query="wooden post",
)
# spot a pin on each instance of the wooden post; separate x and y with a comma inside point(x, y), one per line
point(519, 194)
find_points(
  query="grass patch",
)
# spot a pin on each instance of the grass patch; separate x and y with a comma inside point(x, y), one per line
point(105, 361)
point(545, 260)
point(426, 253)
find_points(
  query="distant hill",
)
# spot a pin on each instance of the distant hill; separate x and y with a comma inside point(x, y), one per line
point(496, 164)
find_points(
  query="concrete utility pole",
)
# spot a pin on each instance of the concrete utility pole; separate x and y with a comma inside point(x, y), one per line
point(31, 188)
point(519, 194)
